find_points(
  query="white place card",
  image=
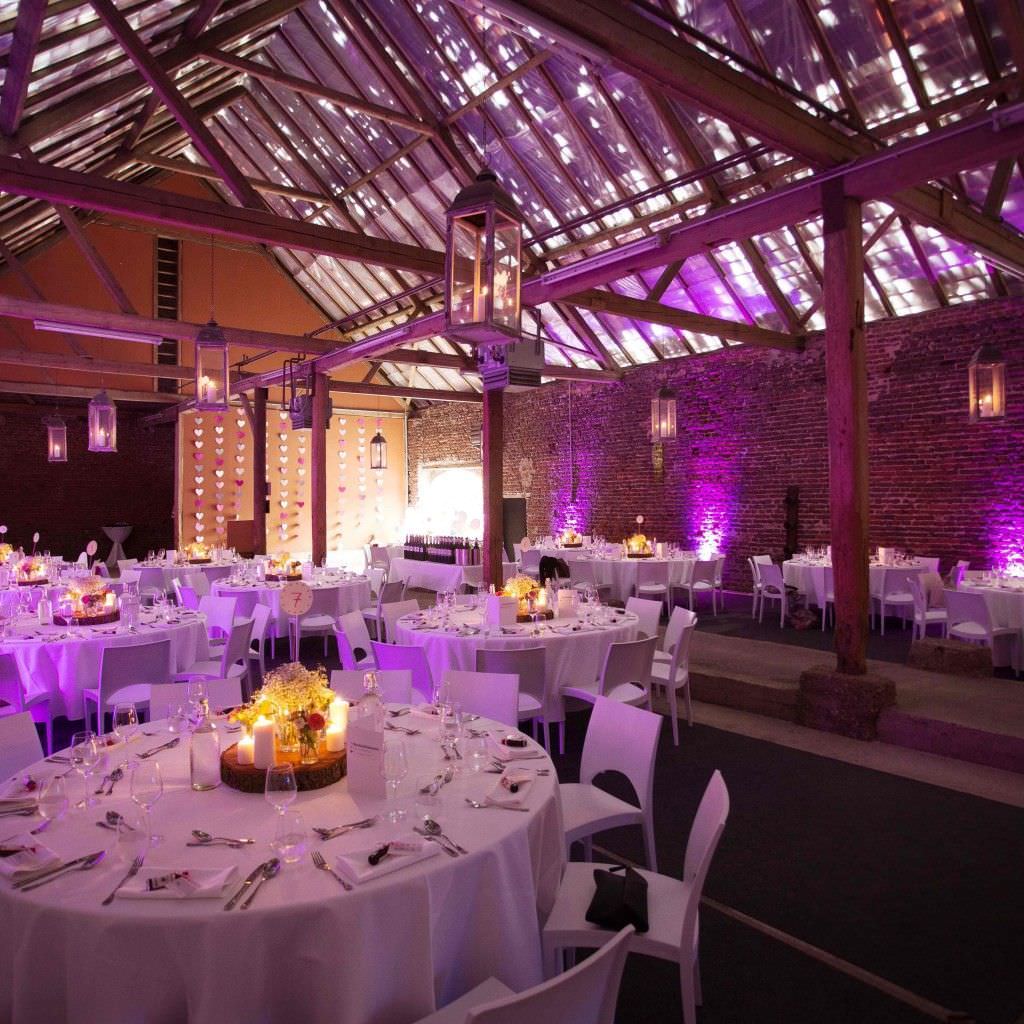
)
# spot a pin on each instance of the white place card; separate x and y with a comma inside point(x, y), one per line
point(500, 611)
point(365, 750)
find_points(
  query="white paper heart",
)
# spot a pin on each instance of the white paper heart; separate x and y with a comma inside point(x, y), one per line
point(302, 472)
point(220, 519)
point(197, 433)
point(218, 473)
point(199, 491)
point(219, 484)
point(218, 430)
point(282, 447)
point(282, 437)
point(219, 508)
point(200, 515)
point(239, 458)
point(198, 444)
point(283, 504)
point(241, 424)
point(199, 479)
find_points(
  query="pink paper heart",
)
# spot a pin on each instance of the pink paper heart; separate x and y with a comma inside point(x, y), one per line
point(239, 483)
point(219, 462)
point(219, 508)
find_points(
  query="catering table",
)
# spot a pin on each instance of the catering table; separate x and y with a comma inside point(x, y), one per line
point(334, 594)
point(441, 575)
point(809, 576)
point(63, 661)
point(1006, 607)
point(117, 534)
point(574, 650)
point(307, 950)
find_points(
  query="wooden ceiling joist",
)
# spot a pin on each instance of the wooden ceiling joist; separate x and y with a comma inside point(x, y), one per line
point(389, 391)
point(27, 25)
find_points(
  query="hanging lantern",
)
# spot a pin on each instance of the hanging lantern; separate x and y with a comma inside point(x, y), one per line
point(483, 263)
point(663, 416)
point(987, 380)
point(102, 424)
point(211, 368)
point(378, 451)
point(56, 439)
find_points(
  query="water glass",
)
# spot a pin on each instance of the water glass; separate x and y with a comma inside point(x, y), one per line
point(53, 799)
point(126, 721)
point(280, 788)
point(394, 768)
point(177, 719)
point(85, 754)
point(476, 753)
point(290, 837)
point(147, 786)
point(133, 837)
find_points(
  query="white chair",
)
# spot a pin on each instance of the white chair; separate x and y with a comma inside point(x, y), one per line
point(165, 698)
point(83, 560)
point(583, 573)
point(407, 656)
point(828, 594)
point(652, 582)
point(129, 576)
point(493, 695)
point(354, 650)
point(319, 620)
point(151, 578)
point(755, 592)
point(674, 675)
point(773, 588)
point(391, 612)
point(126, 673)
point(673, 904)
point(895, 593)
point(530, 562)
point(395, 685)
point(234, 659)
point(186, 596)
point(388, 593)
point(625, 677)
point(220, 616)
point(930, 564)
point(585, 994)
point(703, 580)
point(258, 637)
point(923, 615)
point(13, 700)
point(956, 574)
point(375, 577)
point(539, 700)
point(619, 739)
point(125, 565)
point(198, 581)
point(970, 620)
point(719, 578)
point(648, 612)
point(677, 622)
point(19, 743)
point(100, 569)
point(379, 558)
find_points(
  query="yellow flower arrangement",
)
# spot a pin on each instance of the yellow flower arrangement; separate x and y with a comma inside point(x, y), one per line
point(284, 565)
point(197, 549)
point(6, 550)
point(519, 587)
point(571, 538)
point(638, 544)
point(31, 569)
point(289, 690)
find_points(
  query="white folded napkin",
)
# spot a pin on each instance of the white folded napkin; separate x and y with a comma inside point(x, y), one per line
point(505, 753)
point(426, 711)
point(411, 850)
point(502, 796)
point(199, 883)
point(33, 858)
point(24, 789)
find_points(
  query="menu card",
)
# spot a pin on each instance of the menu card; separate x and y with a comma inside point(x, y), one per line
point(365, 750)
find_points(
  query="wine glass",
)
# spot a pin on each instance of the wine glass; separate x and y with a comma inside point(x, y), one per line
point(147, 786)
point(394, 768)
point(195, 694)
point(85, 753)
point(53, 799)
point(126, 720)
point(280, 789)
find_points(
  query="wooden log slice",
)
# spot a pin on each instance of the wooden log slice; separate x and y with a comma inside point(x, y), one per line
point(246, 778)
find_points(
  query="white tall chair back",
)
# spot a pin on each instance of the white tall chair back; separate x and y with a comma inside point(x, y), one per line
point(677, 623)
point(151, 577)
point(704, 572)
point(224, 693)
point(187, 597)
point(493, 695)
point(964, 607)
point(134, 664)
point(198, 581)
point(19, 743)
point(236, 650)
point(648, 612)
point(129, 576)
point(622, 738)
point(220, 614)
point(956, 576)
point(353, 641)
point(407, 656)
point(528, 665)
point(165, 699)
point(379, 558)
point(395, 684)
point(392, 612)
point(628, 662)
point(771, 578)
point(705, 832)
point(586, 994)
point(376, 579)
point(125, 564)
point(582, 570)
point(530, 562)
point(652, 574)
point(930, 564)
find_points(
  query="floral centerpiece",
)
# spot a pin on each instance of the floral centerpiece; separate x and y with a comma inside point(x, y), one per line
point(297, 699)
point(571, 539)
point(87, 601)
point(6, 550)
point(528, 593)
point(638, 546)
point(284, 567)
point(31, 572)
point(197, 552)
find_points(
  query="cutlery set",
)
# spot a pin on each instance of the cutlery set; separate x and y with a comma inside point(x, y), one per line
point(248, 889)
point(340, 830)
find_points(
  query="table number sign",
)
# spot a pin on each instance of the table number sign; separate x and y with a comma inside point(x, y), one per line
point(296, 600)
point(365, 750)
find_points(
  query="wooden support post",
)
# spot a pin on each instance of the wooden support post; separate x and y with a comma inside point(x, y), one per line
point(846, 399)
point(259, 471)
point(493, 442)
point(318, 454)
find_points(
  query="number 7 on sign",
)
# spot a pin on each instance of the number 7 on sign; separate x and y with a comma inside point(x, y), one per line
point(296, 600)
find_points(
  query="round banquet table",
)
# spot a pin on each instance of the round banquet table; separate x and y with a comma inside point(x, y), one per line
point(574, 650)
point(809, 577)
point(334, 595)
point(620, 573)
point(1005, 603)
point(63, 661)
point(162, 575)
point(441, 575)
point(386, 952)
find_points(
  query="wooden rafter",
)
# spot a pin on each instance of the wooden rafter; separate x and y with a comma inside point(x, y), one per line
point(27, 26)
point(92, 256)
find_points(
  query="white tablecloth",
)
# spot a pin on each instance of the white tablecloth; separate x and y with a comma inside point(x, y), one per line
point(572, 657)
point(439, 575)
point(307, 950)
point(63, 668)
point(334, 597)
point(809, 577)
point(1006, 608)
point(620, 573)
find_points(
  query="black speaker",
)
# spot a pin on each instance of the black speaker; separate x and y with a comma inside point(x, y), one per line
point(513, 524)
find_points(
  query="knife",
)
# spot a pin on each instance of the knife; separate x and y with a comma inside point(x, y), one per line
point(163, 746)
point(250, 879)
point(47, 872)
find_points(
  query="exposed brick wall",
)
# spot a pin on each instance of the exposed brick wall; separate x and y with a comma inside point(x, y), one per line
point(69, 503)
point(752, 423)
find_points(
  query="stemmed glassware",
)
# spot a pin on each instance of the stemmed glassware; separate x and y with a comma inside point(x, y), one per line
point(280, 788)
point(126, 721)
point(394, 768)
point(53, 798)
point(195, 694)
point(147, 786)
point(85, 754)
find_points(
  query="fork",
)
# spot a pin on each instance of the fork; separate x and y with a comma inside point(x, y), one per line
point(333, 833)
point(401, 728)
point(132, 872)
point(318, 860)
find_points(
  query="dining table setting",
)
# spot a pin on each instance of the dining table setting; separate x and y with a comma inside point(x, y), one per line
point(200, 904)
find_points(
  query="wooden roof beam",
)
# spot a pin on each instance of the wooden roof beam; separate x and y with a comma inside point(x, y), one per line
point(351, 387)
point(72, 391)
point(27, 26)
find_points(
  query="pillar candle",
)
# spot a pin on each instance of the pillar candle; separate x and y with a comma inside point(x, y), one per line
point(336, 734)
point(263, 742)
point(339, 712)
point(246, 750)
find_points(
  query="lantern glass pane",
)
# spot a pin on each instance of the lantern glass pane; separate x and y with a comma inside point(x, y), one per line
point(211, 377)
point(506, 272)
point(663, 419)
point(467, 294)
point(987, 390)
point(102, 426)
point(57, 443)
point(378, 453)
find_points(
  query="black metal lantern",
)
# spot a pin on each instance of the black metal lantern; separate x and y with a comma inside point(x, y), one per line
point(211, 368)
point(56, 439)
point(102, 424)
point(986, 375)
point(663, 416)
point(483, 263)
point(378, 451)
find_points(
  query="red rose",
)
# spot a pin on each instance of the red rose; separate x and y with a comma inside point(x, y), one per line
point(316, 721)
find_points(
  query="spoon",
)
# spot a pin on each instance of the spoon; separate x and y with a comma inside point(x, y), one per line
point(434, 829)
point(270, 869)
point(205, 837)
point(116, 820)
point(498, 807)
